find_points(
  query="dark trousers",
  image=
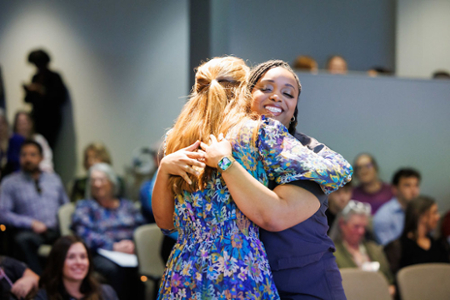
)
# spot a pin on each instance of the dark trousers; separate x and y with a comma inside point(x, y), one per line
point(49, 126)
point(26, 244)
point(318, 280)
point(125, 281)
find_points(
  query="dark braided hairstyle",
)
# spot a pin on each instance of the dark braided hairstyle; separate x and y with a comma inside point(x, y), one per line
point(257, 72)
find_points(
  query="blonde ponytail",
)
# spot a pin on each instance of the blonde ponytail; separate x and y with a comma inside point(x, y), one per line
point(218, 102)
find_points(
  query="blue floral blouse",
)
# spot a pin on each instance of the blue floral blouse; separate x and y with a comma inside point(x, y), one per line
point(218, 254)
point(101, 227)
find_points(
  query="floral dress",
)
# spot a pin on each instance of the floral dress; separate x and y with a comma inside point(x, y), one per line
point(218, 254)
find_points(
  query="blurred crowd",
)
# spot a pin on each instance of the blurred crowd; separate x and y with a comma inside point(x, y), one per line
point(376, 226)
point(336, 64)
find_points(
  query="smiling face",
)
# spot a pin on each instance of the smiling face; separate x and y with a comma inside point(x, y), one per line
point(365, 170)
point(276, 95)
point(76, 265)
point(101, 187)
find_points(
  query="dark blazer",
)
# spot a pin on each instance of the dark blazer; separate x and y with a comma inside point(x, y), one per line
point(301, 257)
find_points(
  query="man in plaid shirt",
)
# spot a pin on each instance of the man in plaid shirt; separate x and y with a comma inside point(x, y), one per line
point(29, 203)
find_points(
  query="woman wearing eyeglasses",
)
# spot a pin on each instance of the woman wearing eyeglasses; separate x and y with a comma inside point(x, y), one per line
point(352, 250)
point(370, 189)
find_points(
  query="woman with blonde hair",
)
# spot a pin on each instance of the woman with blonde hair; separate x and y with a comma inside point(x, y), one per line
point(95, 152)
point(218, 252)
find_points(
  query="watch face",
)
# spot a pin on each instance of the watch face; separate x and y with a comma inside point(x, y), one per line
point(225, 163)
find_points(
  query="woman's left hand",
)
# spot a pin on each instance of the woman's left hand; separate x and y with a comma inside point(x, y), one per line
point(215, 151)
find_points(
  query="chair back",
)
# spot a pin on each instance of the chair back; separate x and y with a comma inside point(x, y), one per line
point(65, 213)
point(365, 285)
point(148, 240)
point(425, 281)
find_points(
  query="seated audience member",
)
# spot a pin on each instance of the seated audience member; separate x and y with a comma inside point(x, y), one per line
point(146, 190)
point(444, 234)
point(23, 129)
point(370, 189)
point(336, 64)
point(4, 141)
point(305, 63)
point(93, 153)
point(16, 280)
point(389, 219)
point(68, 274)
point(105, 221)
point(375, 71)
point(145, 197)
point(29, 203)
point(441, 75)
point(352, 250)
point(416, 245)
point(337, 201)
point(445, 227)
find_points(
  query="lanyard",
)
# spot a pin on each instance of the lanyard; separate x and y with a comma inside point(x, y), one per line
point(3, 275)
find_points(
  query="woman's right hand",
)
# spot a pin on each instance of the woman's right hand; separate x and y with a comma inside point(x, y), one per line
point(181, 162)
point(216, 151)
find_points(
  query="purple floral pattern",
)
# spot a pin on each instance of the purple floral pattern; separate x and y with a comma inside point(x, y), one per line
point(218, 254)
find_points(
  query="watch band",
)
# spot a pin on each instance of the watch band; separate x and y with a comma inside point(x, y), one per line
point(225, 163)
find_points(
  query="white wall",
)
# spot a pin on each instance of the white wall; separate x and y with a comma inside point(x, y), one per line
point(423, 40)
point(126, 67)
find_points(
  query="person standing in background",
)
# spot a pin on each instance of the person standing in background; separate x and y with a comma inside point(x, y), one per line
point(47, 94)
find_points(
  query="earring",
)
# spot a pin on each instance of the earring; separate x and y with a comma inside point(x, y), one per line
point(293, 119)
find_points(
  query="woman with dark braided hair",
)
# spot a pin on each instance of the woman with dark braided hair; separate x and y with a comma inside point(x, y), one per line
point(301, 255)
point(218, 252)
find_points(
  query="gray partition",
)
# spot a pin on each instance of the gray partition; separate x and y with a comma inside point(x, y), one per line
point(402, 122)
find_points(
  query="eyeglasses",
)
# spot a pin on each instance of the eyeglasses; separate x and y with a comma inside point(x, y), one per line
point(357, 207)
point(365, 166)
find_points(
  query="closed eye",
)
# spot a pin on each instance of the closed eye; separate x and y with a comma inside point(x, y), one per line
point(266, 88)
